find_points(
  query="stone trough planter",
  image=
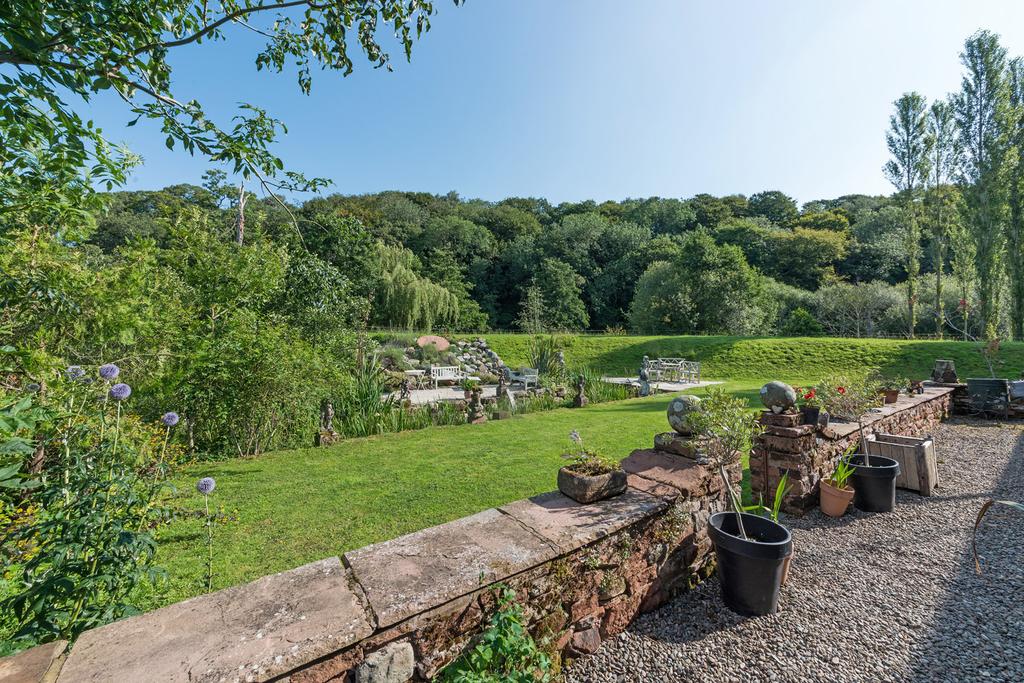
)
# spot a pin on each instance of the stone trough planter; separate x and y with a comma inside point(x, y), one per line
point(590, 488)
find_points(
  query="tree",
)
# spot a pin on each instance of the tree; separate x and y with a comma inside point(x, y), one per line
point(829, 219)
point(56, 56)
point(708, 289)
point(560, 288)
point(1015, 225)
point(408, 300)
point(854, 310)
point(943, 162)
point(776, 206)
point(531, 311)
point(983, 114)
point(709, 210)
point(910, 146)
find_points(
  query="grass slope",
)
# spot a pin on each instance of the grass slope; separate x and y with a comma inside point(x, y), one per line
point(293, 507)
point(755, 358)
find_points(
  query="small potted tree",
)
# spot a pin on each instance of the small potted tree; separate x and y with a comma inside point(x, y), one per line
point(836, 493)
point(874, 476)
point(751, 550)
point(589, 476)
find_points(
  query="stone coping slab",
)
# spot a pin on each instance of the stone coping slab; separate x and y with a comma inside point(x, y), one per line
point(251, 632)
point(31, 665)
point(413, 573)
point(838, 430)
point(683, 474)
point(570, 525)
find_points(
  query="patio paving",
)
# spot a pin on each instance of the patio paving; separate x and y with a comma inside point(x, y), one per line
point(871, 597)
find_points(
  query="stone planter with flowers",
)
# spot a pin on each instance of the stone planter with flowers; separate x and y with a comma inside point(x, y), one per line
point(589, 476)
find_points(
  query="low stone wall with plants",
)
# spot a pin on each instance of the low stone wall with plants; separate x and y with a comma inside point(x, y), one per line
point(406, 608)
point(809, 453)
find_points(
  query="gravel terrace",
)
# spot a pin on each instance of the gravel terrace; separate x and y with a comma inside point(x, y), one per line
point(871, 597)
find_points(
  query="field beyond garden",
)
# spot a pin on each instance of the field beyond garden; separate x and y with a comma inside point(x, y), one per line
point(287, 508)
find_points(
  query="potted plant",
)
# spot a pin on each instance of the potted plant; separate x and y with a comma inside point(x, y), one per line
point(589, 476)
point(751, 550)
point(468, 386)
point(874, 476)
point(772, 513)
point(835, 493)
point(810, 404)
point(890, 387)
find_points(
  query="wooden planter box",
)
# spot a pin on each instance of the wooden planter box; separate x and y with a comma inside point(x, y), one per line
point(918, 471)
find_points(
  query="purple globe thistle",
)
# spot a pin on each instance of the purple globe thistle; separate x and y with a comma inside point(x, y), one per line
point(120, 392)
point(206, 485)
point(109, 371)
point(169, 419)
point(75, 372)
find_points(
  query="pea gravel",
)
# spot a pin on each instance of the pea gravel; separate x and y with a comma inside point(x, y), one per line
point(871, 597)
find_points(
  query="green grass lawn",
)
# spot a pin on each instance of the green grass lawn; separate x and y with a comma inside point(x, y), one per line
point(293, 507)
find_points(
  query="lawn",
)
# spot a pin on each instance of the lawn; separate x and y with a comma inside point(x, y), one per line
point(291, 507)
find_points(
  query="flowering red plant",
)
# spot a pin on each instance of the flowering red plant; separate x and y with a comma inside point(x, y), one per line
point(841, 390)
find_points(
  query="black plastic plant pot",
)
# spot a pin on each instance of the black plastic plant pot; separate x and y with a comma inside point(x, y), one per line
point(750, 571)
point(874, 482)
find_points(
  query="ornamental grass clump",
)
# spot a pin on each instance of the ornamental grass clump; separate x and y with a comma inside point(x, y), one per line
point(729, 427)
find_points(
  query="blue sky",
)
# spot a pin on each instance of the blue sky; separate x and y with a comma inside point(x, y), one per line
point(601, 99)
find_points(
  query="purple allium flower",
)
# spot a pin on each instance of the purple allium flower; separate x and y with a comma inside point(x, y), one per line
point(120, 392)
point(75, 372)
point(206, 485)
point(575, 436)
point(32, 387)
point(169, 419)
point(109, 371)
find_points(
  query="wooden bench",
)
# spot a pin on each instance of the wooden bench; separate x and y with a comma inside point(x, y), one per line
point(525, 376)
point(448, 373)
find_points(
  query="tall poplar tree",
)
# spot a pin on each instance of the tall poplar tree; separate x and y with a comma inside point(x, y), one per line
point(1015, 226)
point(983, 113)
point(943, 161)
point(910, 146)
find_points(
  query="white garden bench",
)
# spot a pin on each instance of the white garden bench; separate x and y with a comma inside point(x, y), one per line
point(448, 373)
point(677, 369)
point(525, 376)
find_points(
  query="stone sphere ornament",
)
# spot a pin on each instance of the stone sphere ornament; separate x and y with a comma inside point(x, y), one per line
point(778, 397)
point(679, 410)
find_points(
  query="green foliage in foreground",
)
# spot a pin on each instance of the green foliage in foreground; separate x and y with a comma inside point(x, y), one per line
point(504, 653)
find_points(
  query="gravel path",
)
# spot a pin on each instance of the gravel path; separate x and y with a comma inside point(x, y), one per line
point(871, 597)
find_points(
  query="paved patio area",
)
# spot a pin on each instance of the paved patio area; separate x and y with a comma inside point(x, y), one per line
point(871, 597)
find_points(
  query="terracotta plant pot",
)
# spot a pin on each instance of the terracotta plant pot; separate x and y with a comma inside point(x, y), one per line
point(834, 502)
point(589, 488)
point(891, 395)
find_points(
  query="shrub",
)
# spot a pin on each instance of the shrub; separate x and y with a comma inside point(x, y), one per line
point(82, 541)
point(800, 323)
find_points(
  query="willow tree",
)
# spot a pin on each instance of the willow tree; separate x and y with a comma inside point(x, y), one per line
point(910, 146)
point(983, 114)
point(408, 300)
point(943, 161)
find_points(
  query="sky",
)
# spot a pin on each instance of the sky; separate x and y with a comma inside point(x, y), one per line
point(599, 99)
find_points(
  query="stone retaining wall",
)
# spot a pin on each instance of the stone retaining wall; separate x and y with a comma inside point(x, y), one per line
point(405, 608)
point(808, 454)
